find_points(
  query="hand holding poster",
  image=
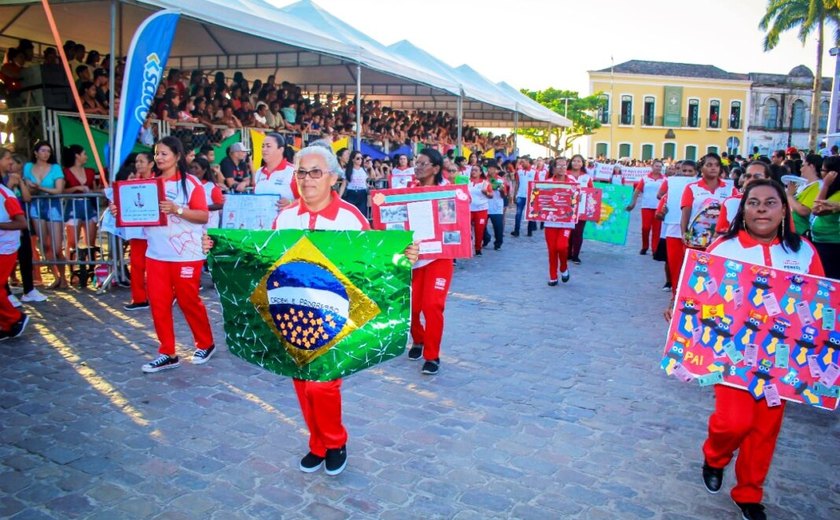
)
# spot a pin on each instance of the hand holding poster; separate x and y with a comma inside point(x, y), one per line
point(439, 216)
point(553, 202)
point(256, 212)
point(138, 203)
point(314, 305)
point(749, 326)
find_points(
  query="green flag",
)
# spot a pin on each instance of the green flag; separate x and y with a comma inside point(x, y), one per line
point(220, 150)
point(615, 220)
point(73, 132)
point(313, 305)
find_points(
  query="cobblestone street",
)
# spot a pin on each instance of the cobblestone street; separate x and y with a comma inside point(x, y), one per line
point(550, 403)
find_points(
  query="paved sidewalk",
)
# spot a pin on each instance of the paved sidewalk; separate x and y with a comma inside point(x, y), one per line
point(549, 404)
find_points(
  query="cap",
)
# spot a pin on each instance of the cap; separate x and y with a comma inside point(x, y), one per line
point(791, 151)
point(238, 147)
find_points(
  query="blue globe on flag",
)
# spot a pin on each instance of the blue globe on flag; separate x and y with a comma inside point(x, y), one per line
point(308, 304)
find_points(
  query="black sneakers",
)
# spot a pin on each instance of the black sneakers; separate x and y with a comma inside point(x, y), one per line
point(751, 511)
point(336, 461)
point(136, 306)
point(162, 362)
point(311, 463)
point(552, 283)
point(712, 478)
point(575, 260)
point(19, 326)
point(431, 367)
point(565, 275)
point(643, 251)
point(201, 356)
point(415, 352)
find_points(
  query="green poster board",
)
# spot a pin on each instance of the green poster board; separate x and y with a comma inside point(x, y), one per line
point(615, 220)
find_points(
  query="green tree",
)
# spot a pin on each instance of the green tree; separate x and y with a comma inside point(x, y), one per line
point(809, 16)
point(568, 103)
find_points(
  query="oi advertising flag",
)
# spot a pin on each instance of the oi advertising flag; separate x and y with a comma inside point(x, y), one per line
point(147, 58)
point(314, 305)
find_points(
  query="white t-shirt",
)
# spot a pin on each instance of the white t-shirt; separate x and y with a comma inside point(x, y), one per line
point(280, 181)
point(401, 178)
point(179, 240)
point(479, 200)
point(524, 178)
point(9, 238)
point(339, 215)
point(357, 180)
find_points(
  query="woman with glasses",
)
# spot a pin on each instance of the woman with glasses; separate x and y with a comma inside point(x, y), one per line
point(430, 280)
point(356, 188)
point(760, 234)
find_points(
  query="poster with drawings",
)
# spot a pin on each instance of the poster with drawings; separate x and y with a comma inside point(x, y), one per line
point(249, 212)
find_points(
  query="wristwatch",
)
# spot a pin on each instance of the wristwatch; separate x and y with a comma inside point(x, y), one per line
point(180, 210)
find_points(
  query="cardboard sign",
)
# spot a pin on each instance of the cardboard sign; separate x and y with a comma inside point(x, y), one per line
point(438, 215)
point(553, 202)
point(256, 212)
point(589, 206)
point(138, 203)
point(614, 223)
point(767, 331)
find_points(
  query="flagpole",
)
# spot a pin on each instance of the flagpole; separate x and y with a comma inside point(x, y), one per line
point(111, 79)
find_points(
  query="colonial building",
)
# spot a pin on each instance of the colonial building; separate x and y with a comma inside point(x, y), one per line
point(669, 110)
point(780, 114)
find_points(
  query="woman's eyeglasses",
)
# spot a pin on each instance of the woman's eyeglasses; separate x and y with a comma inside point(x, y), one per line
point(314, 173)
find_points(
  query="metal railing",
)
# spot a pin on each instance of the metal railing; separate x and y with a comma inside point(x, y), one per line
point(68, 234)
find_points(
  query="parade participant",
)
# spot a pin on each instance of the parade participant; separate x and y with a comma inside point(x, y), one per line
point(12, 220)
point(541, 170)
point(755, 170)
point(674, 243)
point(276, 176)
point(701, 201)
point(524, 175)
point(143, 169)
point(201, 170)
point(496, 206)
point(481, 191)
point(801, 196)
point(825, 223)
point(402, 174)
point(760, 234)
point(355, 187)
point(556, 234)
point(14, 181)
point(647, 187)
point(174, 258)
point(320, 208)
point(584, 180)
point(430, 280)
point(615, 177)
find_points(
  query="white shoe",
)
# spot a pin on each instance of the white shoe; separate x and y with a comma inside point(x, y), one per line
point(16, 289)
point(14, 301)
point(33, 296)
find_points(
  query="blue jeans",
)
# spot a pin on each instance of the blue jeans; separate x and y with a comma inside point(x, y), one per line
point(520, 208)
point(498, 222)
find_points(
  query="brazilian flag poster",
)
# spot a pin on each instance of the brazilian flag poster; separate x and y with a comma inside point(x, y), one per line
point(314, 305)
point(614, 221)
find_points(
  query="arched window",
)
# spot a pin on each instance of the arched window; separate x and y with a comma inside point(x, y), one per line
point(714, 113)
point(798, 116)
point(626, 110)
point(823, 116)
point(604, 110)
point(693, 113)
point(735, 115)
point(650, 111)
point(771, 114)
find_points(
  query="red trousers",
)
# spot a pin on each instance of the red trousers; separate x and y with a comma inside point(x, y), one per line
point(320, 404)
point(182, 280)
point(650, 224)
point(8, 314)
point(137, 259)
point(479, 222)
point(429, 286)
point(739, 422)
point(557, 240)
point(676, 253)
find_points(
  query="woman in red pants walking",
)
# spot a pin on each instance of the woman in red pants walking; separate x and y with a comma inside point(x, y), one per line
point(143, 169)
point(648, 187)
point(760, 234)
point(558, 235)
point(430, 279)
point(174, 258)
point(479, 204)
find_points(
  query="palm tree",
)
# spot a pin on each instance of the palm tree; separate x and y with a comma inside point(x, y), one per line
point(809, 16)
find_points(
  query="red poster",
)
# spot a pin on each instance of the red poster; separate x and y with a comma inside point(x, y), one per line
point(771, 332)
point(553, 202)
point(438, 215)
point(590, 204)
point(138, 203)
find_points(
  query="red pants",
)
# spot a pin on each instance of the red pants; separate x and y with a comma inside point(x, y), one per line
point(650, 224)
point(676, 252)
point(169, 280)
point(479, 222)
point(739, 422)
point(429, 286)
point(557, 240)
point(137, 259)
point(8, 314)
point(320, 404)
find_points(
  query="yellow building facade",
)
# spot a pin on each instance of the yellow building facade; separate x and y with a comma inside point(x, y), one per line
point(669, 110)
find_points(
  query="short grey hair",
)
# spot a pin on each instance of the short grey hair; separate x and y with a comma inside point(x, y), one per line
point(323, 149)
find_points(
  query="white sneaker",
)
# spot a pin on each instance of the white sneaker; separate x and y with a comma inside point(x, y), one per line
point(14, 301)
point(16, 289)
point(33, 296)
